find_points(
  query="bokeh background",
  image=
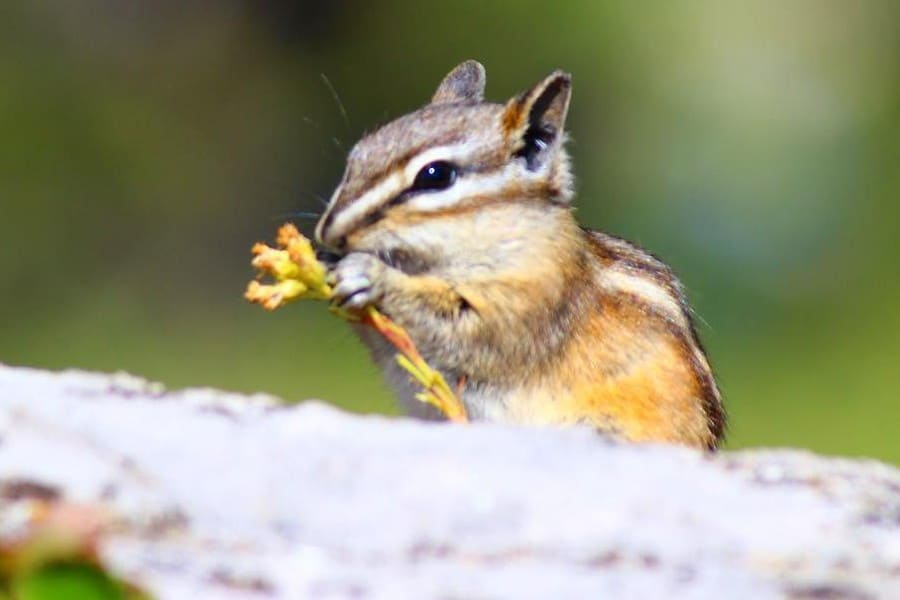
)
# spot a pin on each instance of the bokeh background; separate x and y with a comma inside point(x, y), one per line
point(145, 145)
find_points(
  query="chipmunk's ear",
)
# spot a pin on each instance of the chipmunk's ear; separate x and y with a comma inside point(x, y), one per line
point(465, 83)
point(534, 121)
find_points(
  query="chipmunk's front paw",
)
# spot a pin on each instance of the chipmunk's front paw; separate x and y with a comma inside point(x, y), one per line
point(356, 280)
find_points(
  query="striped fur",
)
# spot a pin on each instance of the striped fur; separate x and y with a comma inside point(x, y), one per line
point(541, 321)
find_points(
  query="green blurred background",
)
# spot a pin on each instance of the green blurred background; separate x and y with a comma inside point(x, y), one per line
point(145, 146)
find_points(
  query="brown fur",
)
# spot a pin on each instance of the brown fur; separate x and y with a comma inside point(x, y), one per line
point(543, 321)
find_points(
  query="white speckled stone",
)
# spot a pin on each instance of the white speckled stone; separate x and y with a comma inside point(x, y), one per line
point(229, 496)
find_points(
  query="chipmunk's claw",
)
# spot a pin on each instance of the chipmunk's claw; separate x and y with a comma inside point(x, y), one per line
point(355, 280)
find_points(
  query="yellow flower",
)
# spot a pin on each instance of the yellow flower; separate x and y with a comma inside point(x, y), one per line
point(298, 274)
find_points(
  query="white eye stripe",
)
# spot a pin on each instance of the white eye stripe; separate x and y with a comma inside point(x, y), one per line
point(389, 187)
point(345, 219)
point(465, 187)
point(452, 154)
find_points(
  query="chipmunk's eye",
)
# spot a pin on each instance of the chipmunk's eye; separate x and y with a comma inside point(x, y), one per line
point(438, 175)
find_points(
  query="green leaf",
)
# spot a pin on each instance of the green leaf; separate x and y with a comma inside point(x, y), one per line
point(70, 581)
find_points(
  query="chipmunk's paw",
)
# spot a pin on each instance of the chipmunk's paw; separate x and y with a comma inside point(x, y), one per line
point(356, 280)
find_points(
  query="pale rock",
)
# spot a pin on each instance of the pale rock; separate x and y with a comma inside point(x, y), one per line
point(231, 496)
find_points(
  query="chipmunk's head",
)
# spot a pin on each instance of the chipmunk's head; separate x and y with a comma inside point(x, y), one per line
point(456, 157)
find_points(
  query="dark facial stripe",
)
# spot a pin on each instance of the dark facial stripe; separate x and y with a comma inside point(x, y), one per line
point(349, 194)
point(465, 205)
point(400, 161)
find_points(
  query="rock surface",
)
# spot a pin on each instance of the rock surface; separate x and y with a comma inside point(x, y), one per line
point(219, 495)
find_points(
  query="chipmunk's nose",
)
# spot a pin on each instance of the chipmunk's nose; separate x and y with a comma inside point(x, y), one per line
point(322, 227)
point(323, 234)
point(331, 249)
point(331, 244)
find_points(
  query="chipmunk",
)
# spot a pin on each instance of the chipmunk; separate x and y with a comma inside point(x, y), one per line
point(456, 221)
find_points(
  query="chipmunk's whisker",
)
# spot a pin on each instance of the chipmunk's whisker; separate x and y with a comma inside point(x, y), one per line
point(318, 198)
point(296, 214)
point(334, 139)
point(340, 105)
